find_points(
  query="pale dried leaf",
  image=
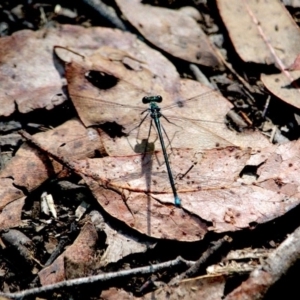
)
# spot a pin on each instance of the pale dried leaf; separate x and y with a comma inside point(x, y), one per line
point(118, 245)
point(81, 209)
point(221, 199)
point(173, 31)
point(47, 205)
point(41, 86)
point(261, 31)
point(198, 113)
point(136, 189)
point(284, 86)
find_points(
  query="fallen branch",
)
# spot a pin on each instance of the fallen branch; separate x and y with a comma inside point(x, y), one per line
point(199, 263)
point(101, 277)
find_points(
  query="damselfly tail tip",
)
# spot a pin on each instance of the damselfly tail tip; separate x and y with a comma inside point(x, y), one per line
point(177, 201)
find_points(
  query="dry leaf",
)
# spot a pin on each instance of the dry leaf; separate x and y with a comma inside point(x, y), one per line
point(29, 168)
point(41, 86)
point(11, 214)
point(175, 32)
point(118, 245)
point(261, 31)
point(208, 183)
point(80, 255)
point(103, 89)
point(284, 86)
point(136, 190)
point(264, 32)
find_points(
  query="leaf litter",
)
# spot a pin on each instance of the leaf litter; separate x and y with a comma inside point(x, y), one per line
point(278, 42)
point(133, 204)
point(42, 86)
point(266, 187)
point(174, 31)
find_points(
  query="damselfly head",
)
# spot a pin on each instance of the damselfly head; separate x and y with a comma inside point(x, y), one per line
point(149, 99)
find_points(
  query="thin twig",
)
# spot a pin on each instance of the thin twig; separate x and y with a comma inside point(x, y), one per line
point(52, 257)
point(266, 107)
point(203, 259)
point(201, 77)
point(58, 250)
point(101, 277)
point(236, 119)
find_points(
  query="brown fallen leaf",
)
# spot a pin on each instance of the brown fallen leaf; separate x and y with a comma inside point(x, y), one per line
point(42, 86)
point(79, 255)
point(284, 85)
point(29, 168)
point(261, 31)
point(258, 40)
point(104, 90)
point(11, 214)
point(210, 199)
point(175, 32)
point(224, 200)
point(135, 189)
point(26, 169)
point(295, 65)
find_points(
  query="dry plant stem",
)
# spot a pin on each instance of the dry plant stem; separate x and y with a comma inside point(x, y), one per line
point(273, 268)
point(22, 244)
point(266, 107)
point(200, 76)
point(246, 118)
point(204, 257)
point(273, 134)
point(57, 251)
point(236, 119)
point(97, 278)
point(106, 12)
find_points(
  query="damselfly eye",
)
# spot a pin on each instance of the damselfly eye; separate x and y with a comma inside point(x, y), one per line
point(149, 99)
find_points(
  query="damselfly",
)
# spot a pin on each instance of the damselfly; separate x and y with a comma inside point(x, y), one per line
point(155, 114)
point(188, 123)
